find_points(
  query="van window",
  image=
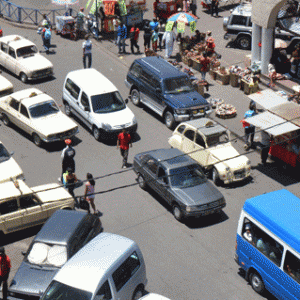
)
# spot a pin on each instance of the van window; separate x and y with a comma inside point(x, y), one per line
point(104, 292)
point(190, 134)
point(152, 165)
point(27, 201)
point(146, 77)
point(239, 20)
point(8, 207)
point(72, 88)
point(181, 128)
point(178, 85)
point(24, 111)
point(136, 70)
point(292, 266)
point(14, 104)
point(4, 47)
point(199, 140)
point(126, 270)
point(84, 100)
point(11, 52)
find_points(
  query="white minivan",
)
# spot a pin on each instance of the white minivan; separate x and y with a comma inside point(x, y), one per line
point(109, 267)
point(96, 101)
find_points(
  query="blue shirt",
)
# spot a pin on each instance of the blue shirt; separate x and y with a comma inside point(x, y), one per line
point(248, 114)
point(153, 25)
point(122, 31)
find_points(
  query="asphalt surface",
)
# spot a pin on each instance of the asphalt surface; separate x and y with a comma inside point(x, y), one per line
point(184, 261)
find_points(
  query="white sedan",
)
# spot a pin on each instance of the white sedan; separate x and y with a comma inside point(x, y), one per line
point(9, 169)
point(38, 115)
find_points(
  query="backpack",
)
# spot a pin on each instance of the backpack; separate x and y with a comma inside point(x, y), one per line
point(47, 34)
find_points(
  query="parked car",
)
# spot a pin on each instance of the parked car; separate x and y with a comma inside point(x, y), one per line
point(208, 143)
point(60, 238)
point(153, 296)
point(96, 101)
point(6, 87)
point(109, 267)
point(167, 91)
point(180, 181)
point(21, 57)
point(38, 115)
point(9, 169)
point(22, 207)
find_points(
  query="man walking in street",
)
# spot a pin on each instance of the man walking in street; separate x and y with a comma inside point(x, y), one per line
point(265, 144)
point(123, 142)
point(80, 21)
point(249, 129)
point(134, 37)
point(67, 158)
point(215, 7)
point(122, 34)
point(5, 267)
point(46, 37)
point(87, 51)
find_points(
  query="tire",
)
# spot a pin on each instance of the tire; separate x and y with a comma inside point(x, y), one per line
point(135, 97)
point(96, 133)
point(67, 109)
point(5, 120)
point(215, 177)
point(169, 120)
point(138, 293)
point(141, 181)
point(37, 140)
point(257, 283)
point(244, 42)
point(23, 77)
point(177, 213)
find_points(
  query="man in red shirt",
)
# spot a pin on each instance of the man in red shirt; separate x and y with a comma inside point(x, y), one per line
point(134, 37)
point(4, 271)
point(123, 142)
point(204, 62)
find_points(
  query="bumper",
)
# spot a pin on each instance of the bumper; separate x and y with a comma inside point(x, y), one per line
point(229, 37)
point(130, 129)
point(182, 118)
point(61, 137)
point(203, 213)
point(41, 76)
point(237, 179)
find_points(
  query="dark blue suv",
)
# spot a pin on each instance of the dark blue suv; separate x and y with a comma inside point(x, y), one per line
point(166, 90)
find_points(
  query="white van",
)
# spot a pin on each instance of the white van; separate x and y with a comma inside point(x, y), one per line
point(109, 267)
point(96, 101)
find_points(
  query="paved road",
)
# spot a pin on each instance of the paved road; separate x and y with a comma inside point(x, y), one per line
point(184, 261)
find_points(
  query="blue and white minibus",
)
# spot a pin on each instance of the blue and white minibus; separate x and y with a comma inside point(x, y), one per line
point(268, 243)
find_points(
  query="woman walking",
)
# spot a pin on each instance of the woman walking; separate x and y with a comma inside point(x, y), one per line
point(89, 193)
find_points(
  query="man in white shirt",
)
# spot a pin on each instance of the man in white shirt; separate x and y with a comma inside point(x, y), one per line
point(87, 52)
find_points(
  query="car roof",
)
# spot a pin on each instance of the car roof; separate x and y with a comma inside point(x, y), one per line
point(206, 126)
point(10, 190)
point(86, 268)
point(171, 158)
point(92, 81)
point(25, 98)
point(243, 10)
point(16, 41)
point(160, 67)
point(61, 226)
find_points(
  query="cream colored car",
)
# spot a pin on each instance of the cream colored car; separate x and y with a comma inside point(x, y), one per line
point(9, 169)
point(22, 207)
point(6, 87)
point(208, 143)
point(38, 115)
point(21, 57)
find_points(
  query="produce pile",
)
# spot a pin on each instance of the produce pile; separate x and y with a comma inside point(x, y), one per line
point(226, 111)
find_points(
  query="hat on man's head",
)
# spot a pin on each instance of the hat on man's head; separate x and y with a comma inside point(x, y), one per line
point(68, 141)
point(2, 250)
point(210, 40)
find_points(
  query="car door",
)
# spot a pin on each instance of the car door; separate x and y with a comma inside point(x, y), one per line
point(164, 183)
point(11, 216)
point(3, 54)
point(25, 122)
point(188, 141)
point(12, 110)
point(199, 153)
point(11, 61)
point(34, 213)
point(150, 171)
point(84, 109)
point(146, 87)
point(72, 96)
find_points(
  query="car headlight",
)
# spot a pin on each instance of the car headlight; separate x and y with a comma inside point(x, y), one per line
point(228, 172)
point(106, 126)
point(191, 208)
point(181, 111)
point(51, 136)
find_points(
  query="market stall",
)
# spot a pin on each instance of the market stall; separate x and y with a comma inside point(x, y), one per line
point(164, 9)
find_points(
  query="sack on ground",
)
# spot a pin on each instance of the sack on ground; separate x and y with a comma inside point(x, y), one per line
point(83, 204)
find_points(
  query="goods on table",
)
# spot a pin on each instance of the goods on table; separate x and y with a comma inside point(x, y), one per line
point(199, 86)
point(226, 111)
point(294, 98)
point(215, 102)
point(150, 52)
point(222, 76)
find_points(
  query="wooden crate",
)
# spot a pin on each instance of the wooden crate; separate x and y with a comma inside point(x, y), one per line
point(213, 73)
point(184, 59)
point(196, 65)
point(234, 80)
point(250, 89)
point(222, 78)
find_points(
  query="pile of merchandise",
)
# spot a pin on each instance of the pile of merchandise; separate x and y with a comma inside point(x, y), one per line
point(215, 102)
point(226, 111)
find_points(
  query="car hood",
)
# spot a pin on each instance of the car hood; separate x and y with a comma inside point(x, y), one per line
point(32, 280)
point(117, 118)
point(36, 62)
point(186, 100)
point(9, 169)
point(198, 195)
point(54, 123)
point(52, 192)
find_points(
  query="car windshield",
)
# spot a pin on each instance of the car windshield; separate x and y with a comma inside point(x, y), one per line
point(216, 139)
point(188, 176)
point(106, 103)
point(58, 290)
point(4, 155)
point(27, 51)
point(43, 109)
point(47, 255)
point(178, 85)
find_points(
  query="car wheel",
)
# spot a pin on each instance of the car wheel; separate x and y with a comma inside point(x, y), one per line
point(135, 97)
point(5, 120)
point(96, 133)
point(169, 120)
point(257, 283)
point(215, 177)
point(141, 181)
point(244, 42)
point(177, 212)
point(138, 293)
point(23, 77)
point(68, 110)
point(37, 140)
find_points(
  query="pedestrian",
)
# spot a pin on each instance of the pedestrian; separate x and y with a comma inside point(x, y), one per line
point(147, 36)
point(154, 39)
point(46, 37)
point(116, 25)
point(215, 7)
point(122, 34)
point(134, 37)
point(70, 180)
point(161, 30)
point(153, 24)
point(87, 51)
point(249, 129)
point(46, 21)
point(169, 38)
point(67, 158)
point(123, 142)
point(5, 267)
point(89, 194)
point(265, 142)
point(102, 18)
point(193, 7)
point(204, 62)
point(80, 21)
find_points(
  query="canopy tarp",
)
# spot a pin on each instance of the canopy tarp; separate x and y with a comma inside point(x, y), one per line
point(289, 111)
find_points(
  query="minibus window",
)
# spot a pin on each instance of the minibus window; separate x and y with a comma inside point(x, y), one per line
point(292, 266)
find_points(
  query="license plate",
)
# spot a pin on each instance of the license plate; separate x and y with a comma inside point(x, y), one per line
point(195, 112)
point(201, 110)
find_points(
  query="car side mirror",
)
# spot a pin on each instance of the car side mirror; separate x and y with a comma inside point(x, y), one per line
point(158, 91)
point(86, 108)
point(126, 100)
point(23, 253)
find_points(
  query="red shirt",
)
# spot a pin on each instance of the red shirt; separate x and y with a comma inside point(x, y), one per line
point(136, 33)
point(4, 265)
point(124, 140)
point(204, 61)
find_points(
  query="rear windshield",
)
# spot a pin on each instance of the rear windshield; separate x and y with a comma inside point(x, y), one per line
point(178, 85)
point(106, 103)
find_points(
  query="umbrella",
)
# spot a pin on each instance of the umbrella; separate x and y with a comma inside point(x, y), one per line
point(64, 2)
point(279, 43)
point(184, 17)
